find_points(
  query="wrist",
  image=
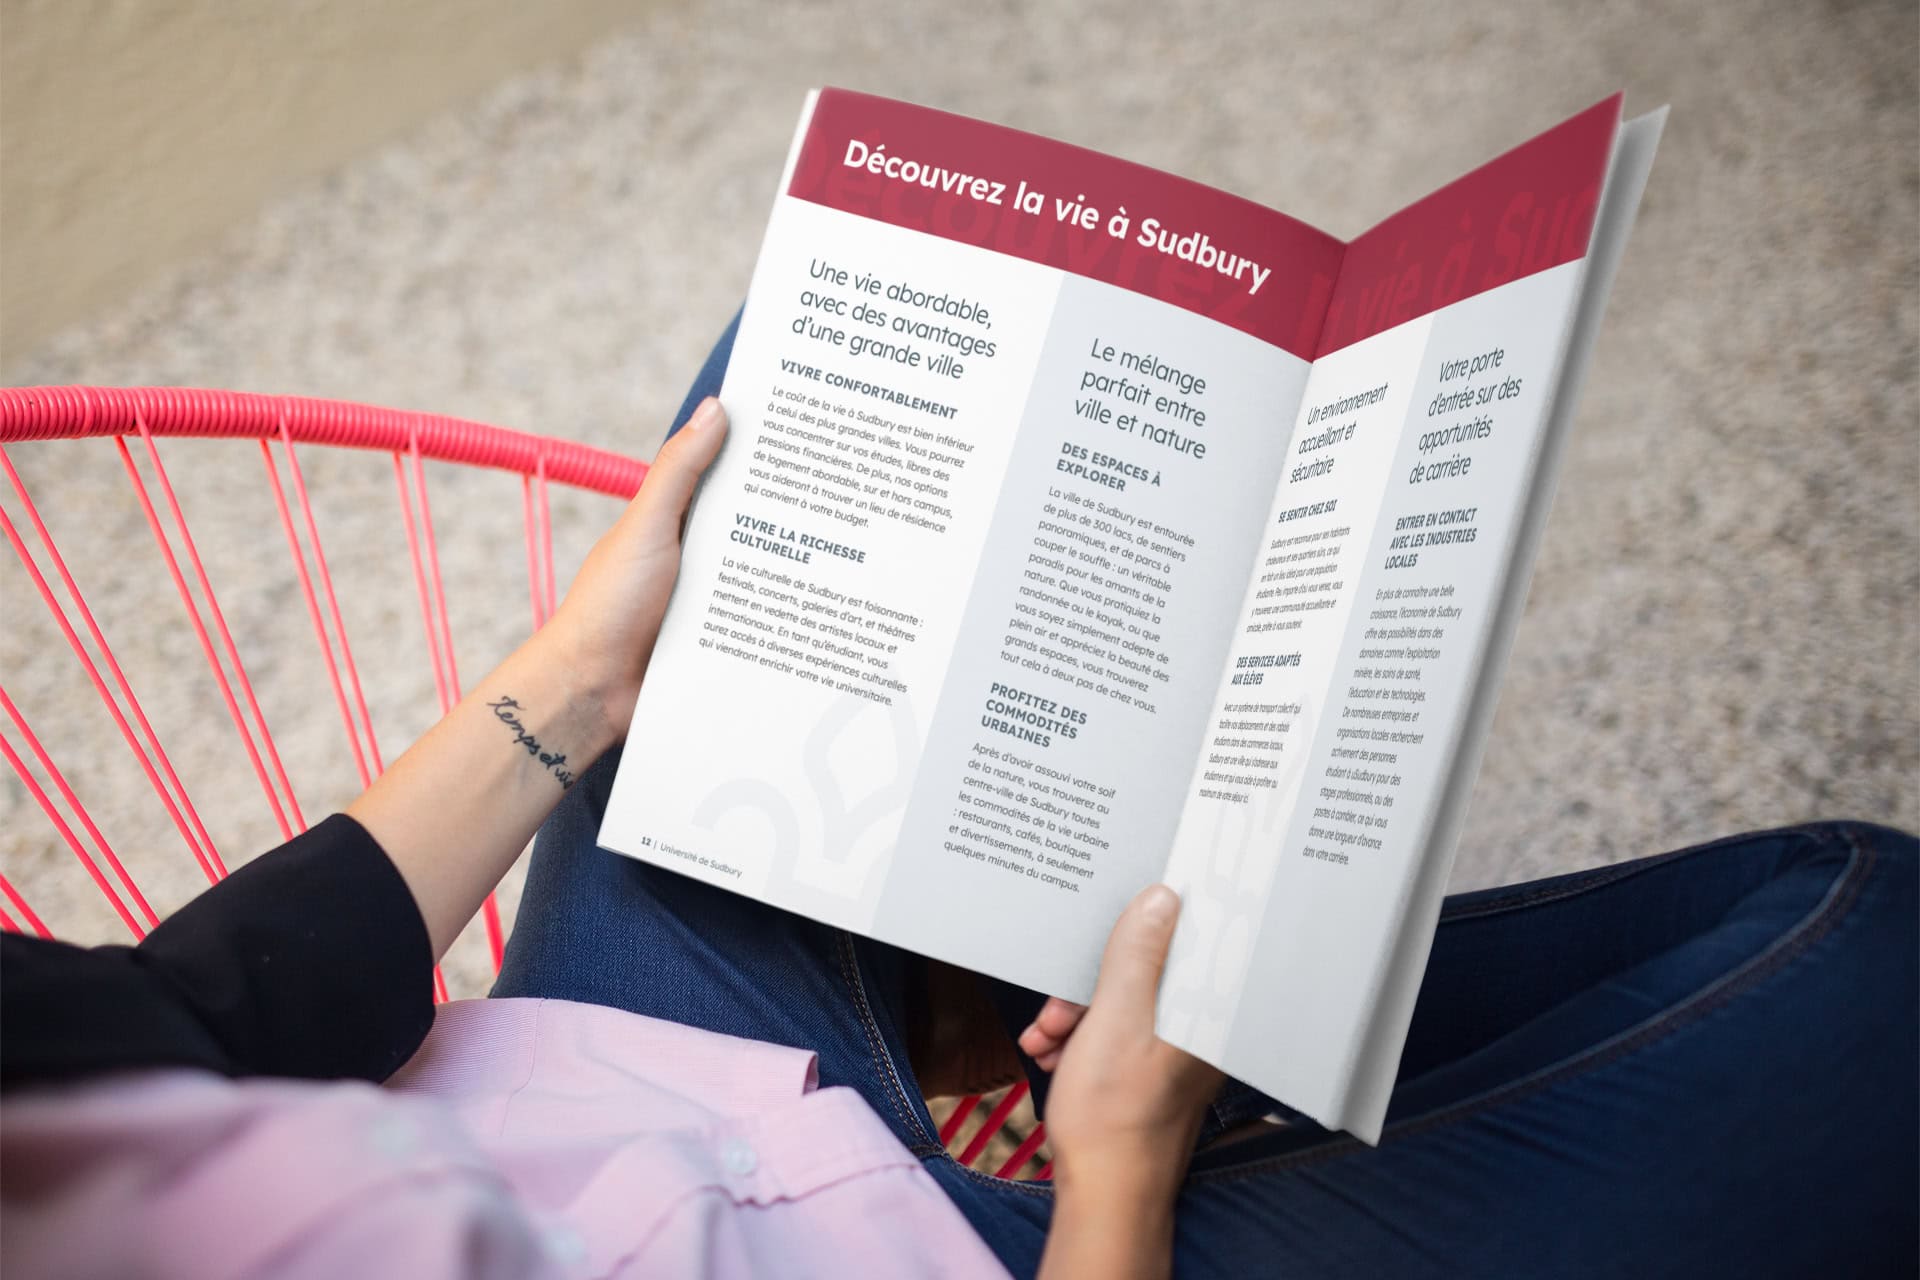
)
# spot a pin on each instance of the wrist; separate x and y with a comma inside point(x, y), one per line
point(1098, 1229)
point(589, 708)
point(1136, 1185)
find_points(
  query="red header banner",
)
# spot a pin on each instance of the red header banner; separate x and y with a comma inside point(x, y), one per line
point(1076, 210)
point(1522, 213)
point(1191, 246)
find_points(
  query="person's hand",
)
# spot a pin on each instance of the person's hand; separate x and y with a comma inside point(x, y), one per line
point(1125, 1106)
point(606, 626)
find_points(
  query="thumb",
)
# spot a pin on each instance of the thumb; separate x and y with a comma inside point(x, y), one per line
point(677, 469)
point(1136, 953)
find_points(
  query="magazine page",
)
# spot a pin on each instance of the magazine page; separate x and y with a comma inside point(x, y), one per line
point(1361, 636)
point(1007, 419)
point(1405, 964)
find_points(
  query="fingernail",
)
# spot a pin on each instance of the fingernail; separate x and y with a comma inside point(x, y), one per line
point(1159, 904)
point(707, 415)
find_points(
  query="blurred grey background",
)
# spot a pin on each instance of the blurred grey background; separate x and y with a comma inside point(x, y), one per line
point(540, 216)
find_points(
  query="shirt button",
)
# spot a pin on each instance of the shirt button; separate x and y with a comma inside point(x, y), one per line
point(566, 1245)
point(739, 1157)
point(393, 1137)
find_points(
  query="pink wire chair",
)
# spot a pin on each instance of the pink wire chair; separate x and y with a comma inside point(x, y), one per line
point(139, 418)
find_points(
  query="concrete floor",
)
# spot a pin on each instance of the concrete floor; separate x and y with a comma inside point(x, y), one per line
point(1722, 631)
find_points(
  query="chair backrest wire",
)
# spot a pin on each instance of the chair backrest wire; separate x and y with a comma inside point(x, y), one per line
point(354, 718)
point(147, 920)
point(146, 747)
point(267, 786)
point(21, 909)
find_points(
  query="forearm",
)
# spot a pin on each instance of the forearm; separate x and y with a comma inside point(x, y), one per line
point(1119, 1235)
point(1124, 1110)
point(456, 810)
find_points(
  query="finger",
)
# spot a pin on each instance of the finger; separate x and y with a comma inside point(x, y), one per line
point(1059, 1017)
point(677, 469)
point(1048, 1061)
point(1136, 953)
point(1051, 1026)
point(1037, 1042)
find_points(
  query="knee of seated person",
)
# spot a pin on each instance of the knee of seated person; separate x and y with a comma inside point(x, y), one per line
point(1897, 849)
point(1898, 852)
point(1885, 858)
point(1840, 842)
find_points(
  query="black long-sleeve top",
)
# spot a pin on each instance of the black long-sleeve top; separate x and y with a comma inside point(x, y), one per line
point(311, 962)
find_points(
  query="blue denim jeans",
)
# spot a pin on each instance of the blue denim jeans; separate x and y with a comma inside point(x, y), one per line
point(1701, 1063)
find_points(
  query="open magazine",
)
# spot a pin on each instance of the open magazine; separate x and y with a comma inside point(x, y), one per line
point(1082, 527)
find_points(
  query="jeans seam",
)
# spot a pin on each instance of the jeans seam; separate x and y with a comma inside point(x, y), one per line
point(1024, 1186)
point(1597, 879)
point(927, 1148)
point(1833, 907)
point(1602, 877)
point(876, 1044)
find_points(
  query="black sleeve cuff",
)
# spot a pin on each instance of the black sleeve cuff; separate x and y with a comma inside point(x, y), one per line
point(311, 961)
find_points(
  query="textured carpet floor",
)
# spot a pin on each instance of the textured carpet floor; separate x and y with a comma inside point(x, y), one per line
point(1722, 630)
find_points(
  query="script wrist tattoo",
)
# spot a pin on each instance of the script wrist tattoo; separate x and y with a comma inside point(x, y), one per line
point(507, 710)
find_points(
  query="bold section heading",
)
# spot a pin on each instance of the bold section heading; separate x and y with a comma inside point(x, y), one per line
point(1522, 213)
point(1062, 206)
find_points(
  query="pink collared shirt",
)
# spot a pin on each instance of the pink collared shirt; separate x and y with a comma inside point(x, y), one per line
point(525, 1138)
